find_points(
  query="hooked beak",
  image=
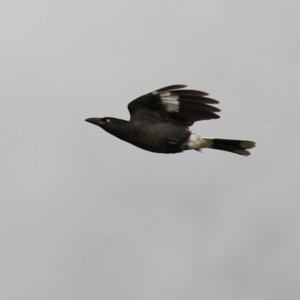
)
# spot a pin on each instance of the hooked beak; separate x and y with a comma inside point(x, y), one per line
point(95, 121)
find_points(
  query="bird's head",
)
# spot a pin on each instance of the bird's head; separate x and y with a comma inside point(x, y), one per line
point(112, 125)
point(102, 122)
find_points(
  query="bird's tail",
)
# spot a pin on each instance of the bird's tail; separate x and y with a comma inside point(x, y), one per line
point(234, 146)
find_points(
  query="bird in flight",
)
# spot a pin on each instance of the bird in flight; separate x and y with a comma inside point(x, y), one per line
point(160, 120)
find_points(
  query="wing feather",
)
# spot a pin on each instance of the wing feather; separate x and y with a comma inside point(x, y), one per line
point(173, 104)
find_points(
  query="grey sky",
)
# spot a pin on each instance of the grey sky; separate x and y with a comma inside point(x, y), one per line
point(87, 216)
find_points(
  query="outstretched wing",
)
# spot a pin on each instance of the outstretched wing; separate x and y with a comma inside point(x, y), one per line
point(174, 104)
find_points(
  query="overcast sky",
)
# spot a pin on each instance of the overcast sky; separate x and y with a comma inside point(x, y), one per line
point(86, 216)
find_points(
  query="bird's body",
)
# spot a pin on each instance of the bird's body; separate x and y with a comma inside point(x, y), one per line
point(160, 122)
point(154, 137)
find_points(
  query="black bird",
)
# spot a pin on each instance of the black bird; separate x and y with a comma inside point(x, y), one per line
point(160, 121)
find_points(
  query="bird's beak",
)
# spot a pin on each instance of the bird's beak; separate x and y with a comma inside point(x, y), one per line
point(95, 121)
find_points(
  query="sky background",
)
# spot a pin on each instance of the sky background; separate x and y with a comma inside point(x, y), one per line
point(86, 216)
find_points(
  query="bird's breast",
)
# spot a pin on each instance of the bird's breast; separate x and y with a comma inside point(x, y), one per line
point(160, 138)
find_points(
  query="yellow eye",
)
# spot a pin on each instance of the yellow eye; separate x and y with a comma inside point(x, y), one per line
point(107, 121)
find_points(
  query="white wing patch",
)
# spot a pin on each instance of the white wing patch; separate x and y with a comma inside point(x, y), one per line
point(170, 102)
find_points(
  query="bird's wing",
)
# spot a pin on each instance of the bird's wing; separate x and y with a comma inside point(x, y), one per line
point(174, 104)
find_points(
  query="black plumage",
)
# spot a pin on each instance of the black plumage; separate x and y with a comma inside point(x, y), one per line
point(160, 122)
